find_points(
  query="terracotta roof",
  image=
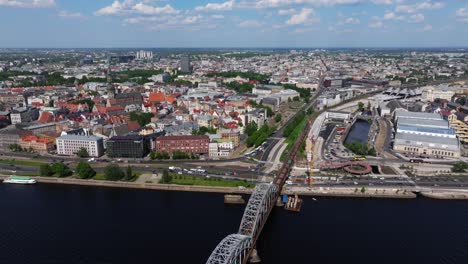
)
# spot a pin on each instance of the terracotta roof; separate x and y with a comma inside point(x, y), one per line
point(46, 117)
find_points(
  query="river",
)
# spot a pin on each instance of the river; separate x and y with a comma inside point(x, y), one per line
point(81, 224)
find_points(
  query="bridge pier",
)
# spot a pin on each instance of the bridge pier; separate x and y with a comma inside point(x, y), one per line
point(254, 258)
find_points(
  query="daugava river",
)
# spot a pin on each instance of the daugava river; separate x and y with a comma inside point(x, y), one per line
point(75, 224)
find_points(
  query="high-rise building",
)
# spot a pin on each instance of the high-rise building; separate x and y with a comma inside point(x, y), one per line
point(185, 64)
point(144, 55)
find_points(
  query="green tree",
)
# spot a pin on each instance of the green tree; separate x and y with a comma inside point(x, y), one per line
point(251, 128)
point(363, 189)
point(459, 166)
point(166, 177)
point(129, 174)
point(61, 170)
point(153, 155)
point(278, 118)
point(85, 171)
point(82, 153)
point(15, 147)
point(46, 170)
point(113, 173)
point(360, 106)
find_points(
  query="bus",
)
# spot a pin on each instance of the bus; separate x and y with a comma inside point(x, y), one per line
point(360, 158)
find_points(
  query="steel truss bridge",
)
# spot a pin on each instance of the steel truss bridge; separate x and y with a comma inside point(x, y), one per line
point(236, 248)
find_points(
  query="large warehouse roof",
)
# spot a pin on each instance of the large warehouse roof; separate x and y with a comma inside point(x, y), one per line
point(417, 115)
point(430, 142)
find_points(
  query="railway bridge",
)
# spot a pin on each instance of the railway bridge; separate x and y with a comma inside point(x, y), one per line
point(237, 248)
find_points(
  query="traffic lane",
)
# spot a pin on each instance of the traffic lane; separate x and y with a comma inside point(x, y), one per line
point(18, 168)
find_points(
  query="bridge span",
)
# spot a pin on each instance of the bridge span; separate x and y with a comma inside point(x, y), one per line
point(237, 248)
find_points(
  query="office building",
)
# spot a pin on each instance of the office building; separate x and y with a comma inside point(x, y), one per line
point(132, 146)
point(144, 55)
point(69, 145)
point(185, 65)
point(187, 144)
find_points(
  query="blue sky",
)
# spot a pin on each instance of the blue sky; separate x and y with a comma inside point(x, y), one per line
point(233, 23)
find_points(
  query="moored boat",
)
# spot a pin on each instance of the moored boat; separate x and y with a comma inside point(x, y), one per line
point(19, 180)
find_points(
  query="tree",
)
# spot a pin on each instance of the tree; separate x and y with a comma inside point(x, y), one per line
point(85, 171)
point(129, 173)
point(15, 147)
point(152, 155)
point(166, 177)
point(360, 106)
point(251, 128)
point(46, 170)
point(113, 173)
point(363, 189)
point(459, 166)
point(278, 118)
point(368, 106)
point(82, 153)
point(61, 170)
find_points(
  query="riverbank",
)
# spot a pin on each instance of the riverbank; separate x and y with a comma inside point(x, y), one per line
point(382, 193)
point(351, 192)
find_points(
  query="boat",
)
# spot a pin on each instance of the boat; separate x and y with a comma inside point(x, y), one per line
point(19, 180)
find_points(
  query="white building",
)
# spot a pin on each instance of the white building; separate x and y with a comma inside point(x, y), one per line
point(144, 55)
point(220, 149)
point(69, 145)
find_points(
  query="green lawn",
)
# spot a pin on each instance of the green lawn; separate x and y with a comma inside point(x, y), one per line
point(291, 139)
point(22, 162)
point(200, 181)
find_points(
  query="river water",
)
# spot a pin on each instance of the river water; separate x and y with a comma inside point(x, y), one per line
point(76, 224)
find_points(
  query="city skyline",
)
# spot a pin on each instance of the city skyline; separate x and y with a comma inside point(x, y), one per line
point(234, 24)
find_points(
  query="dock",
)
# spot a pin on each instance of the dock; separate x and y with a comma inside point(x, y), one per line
point(233, 199)
point(294, 204)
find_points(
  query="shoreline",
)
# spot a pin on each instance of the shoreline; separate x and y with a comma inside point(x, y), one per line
point(337, 192)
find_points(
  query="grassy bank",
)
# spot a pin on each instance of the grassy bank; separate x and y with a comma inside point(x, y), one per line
point(199, 181)
point(22, 162)
point(292, 138)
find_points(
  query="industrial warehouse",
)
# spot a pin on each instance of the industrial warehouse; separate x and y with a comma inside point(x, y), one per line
point(425, 134)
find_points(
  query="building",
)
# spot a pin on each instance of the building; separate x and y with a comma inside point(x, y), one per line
point(188, 144)
point(220, 149)
point(37, 144)
point(185, 65)
point(10, 136)
point(425, 134)
point(24, 114)
point(232, 135)
point(132, 146)
point(144, 55)
point(69, 145)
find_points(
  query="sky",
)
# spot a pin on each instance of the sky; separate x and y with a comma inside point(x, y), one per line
point(233, 23)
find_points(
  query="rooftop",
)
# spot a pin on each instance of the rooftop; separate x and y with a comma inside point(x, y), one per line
point(427, 141)
point(78, 137)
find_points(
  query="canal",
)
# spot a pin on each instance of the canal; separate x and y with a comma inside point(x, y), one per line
point(359, 132)
point(82, 224)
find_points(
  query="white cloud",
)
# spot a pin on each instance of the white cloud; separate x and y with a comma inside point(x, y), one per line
point(462, 15)
point(283, 12)
point(393, 16)
point(279, 3)
point(426, 28)
point(305, 16)
point(116, 8)
point(68, 14)
point(152, 10)
point(28, 3)
point(250, 23)
point(352, 20)
point(128, 7)
point(413, 8)
point(375, 22)
point(217, 16)
point(416, 18)
point(226, 6)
